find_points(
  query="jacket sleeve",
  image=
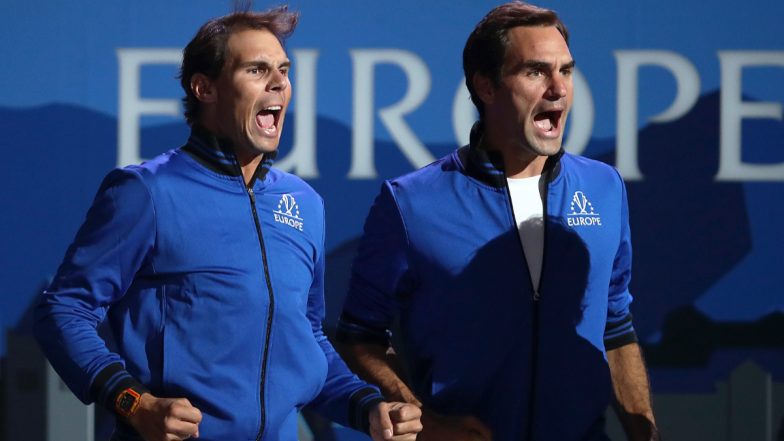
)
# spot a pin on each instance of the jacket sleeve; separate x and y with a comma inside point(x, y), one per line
point(344, 398)
point(381, 274)
point(619, 330)
point(98, 267)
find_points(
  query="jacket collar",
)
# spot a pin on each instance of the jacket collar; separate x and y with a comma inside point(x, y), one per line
point(488, 165)
point(217, 154)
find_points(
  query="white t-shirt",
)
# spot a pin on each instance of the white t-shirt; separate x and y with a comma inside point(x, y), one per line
point(529, 214)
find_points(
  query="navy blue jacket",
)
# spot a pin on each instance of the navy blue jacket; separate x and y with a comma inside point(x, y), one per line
point(441, 251)
point(213, 292)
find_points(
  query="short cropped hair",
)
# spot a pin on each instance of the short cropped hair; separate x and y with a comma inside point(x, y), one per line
point(485, 50)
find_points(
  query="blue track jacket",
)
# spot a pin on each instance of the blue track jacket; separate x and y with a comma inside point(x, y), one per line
point(212, 291)
point(441, 251)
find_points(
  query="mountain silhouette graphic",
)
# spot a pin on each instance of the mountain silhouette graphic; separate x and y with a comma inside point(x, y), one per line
point(687, 229)
point(57, 154)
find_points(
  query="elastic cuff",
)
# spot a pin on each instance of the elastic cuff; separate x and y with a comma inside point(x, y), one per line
point(350, 331)
point(619, 333)
point(621, 340)
point(110, 382)
point(360, 404)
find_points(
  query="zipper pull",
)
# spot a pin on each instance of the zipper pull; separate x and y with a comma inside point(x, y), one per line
point(252, 195)
point(537, 296)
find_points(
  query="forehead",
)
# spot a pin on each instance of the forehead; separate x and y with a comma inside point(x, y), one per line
point(254, 44)
point(542, 43)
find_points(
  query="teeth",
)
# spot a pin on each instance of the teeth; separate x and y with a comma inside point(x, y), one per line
point(273, 108)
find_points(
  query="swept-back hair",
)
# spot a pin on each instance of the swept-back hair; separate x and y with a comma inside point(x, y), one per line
point(485, 49)
point(207, 51)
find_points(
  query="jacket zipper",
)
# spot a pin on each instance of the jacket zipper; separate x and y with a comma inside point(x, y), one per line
point(537, 306)
point(270, 311)
point(536, 290)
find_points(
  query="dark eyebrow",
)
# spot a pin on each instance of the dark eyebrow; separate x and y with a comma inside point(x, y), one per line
point(540, 65)
point(533, 64)
point(262, 63)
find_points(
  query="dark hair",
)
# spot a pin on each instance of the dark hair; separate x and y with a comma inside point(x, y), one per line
point(206, 53)
point(485, 49)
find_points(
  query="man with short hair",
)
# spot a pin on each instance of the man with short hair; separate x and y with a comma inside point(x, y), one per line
point(209, 267)
point(507, 264)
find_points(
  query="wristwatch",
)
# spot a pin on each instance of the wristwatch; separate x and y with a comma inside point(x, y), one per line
point(127, 402)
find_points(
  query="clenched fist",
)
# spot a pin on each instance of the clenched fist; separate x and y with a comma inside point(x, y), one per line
point(166, 419)
point(395, 422)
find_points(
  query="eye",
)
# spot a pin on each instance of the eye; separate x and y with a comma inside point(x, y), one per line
point(567, 72)
point(256, 70)
point(535, 73)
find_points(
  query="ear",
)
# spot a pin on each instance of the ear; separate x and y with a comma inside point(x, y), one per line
point(484, 88)
point(203, 88)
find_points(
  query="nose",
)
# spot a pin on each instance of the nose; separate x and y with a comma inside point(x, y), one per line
point(278, 81)
point(559, 87)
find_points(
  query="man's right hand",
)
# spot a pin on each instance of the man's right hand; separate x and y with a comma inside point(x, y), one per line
point(166, 419)
point(436, 427)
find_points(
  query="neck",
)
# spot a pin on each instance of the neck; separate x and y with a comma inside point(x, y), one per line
point(519, 168)
point(248, 165)
point(248, 160)
point(519, 162)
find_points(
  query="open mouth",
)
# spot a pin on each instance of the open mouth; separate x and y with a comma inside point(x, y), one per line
point(548, 121)
point(268, 118)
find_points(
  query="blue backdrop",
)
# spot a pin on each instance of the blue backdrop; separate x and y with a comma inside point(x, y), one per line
point(684, 97)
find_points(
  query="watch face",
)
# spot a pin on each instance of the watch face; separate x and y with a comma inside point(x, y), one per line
point(127, 402)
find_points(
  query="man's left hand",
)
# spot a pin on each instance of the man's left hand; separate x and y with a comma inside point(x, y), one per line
point(395, 422)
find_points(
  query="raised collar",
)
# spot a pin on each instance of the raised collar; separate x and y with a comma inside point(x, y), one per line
point(488, 165)
point(217, 154)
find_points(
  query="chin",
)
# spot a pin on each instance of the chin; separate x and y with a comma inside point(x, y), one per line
point(546, 149)
point(550, 151)
point(543, 147)
point(266, 148)
point(264, 144)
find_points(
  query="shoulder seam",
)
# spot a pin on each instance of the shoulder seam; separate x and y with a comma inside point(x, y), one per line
point(154, 211)
point(403, 225)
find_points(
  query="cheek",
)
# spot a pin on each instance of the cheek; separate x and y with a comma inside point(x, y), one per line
point(524, 96)
point(245, 109)
point(524, 105)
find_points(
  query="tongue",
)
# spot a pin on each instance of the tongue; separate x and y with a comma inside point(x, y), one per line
point(543, 122)
point(265, 120)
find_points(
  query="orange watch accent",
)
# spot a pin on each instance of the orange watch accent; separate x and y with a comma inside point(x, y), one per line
point(127, 402)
